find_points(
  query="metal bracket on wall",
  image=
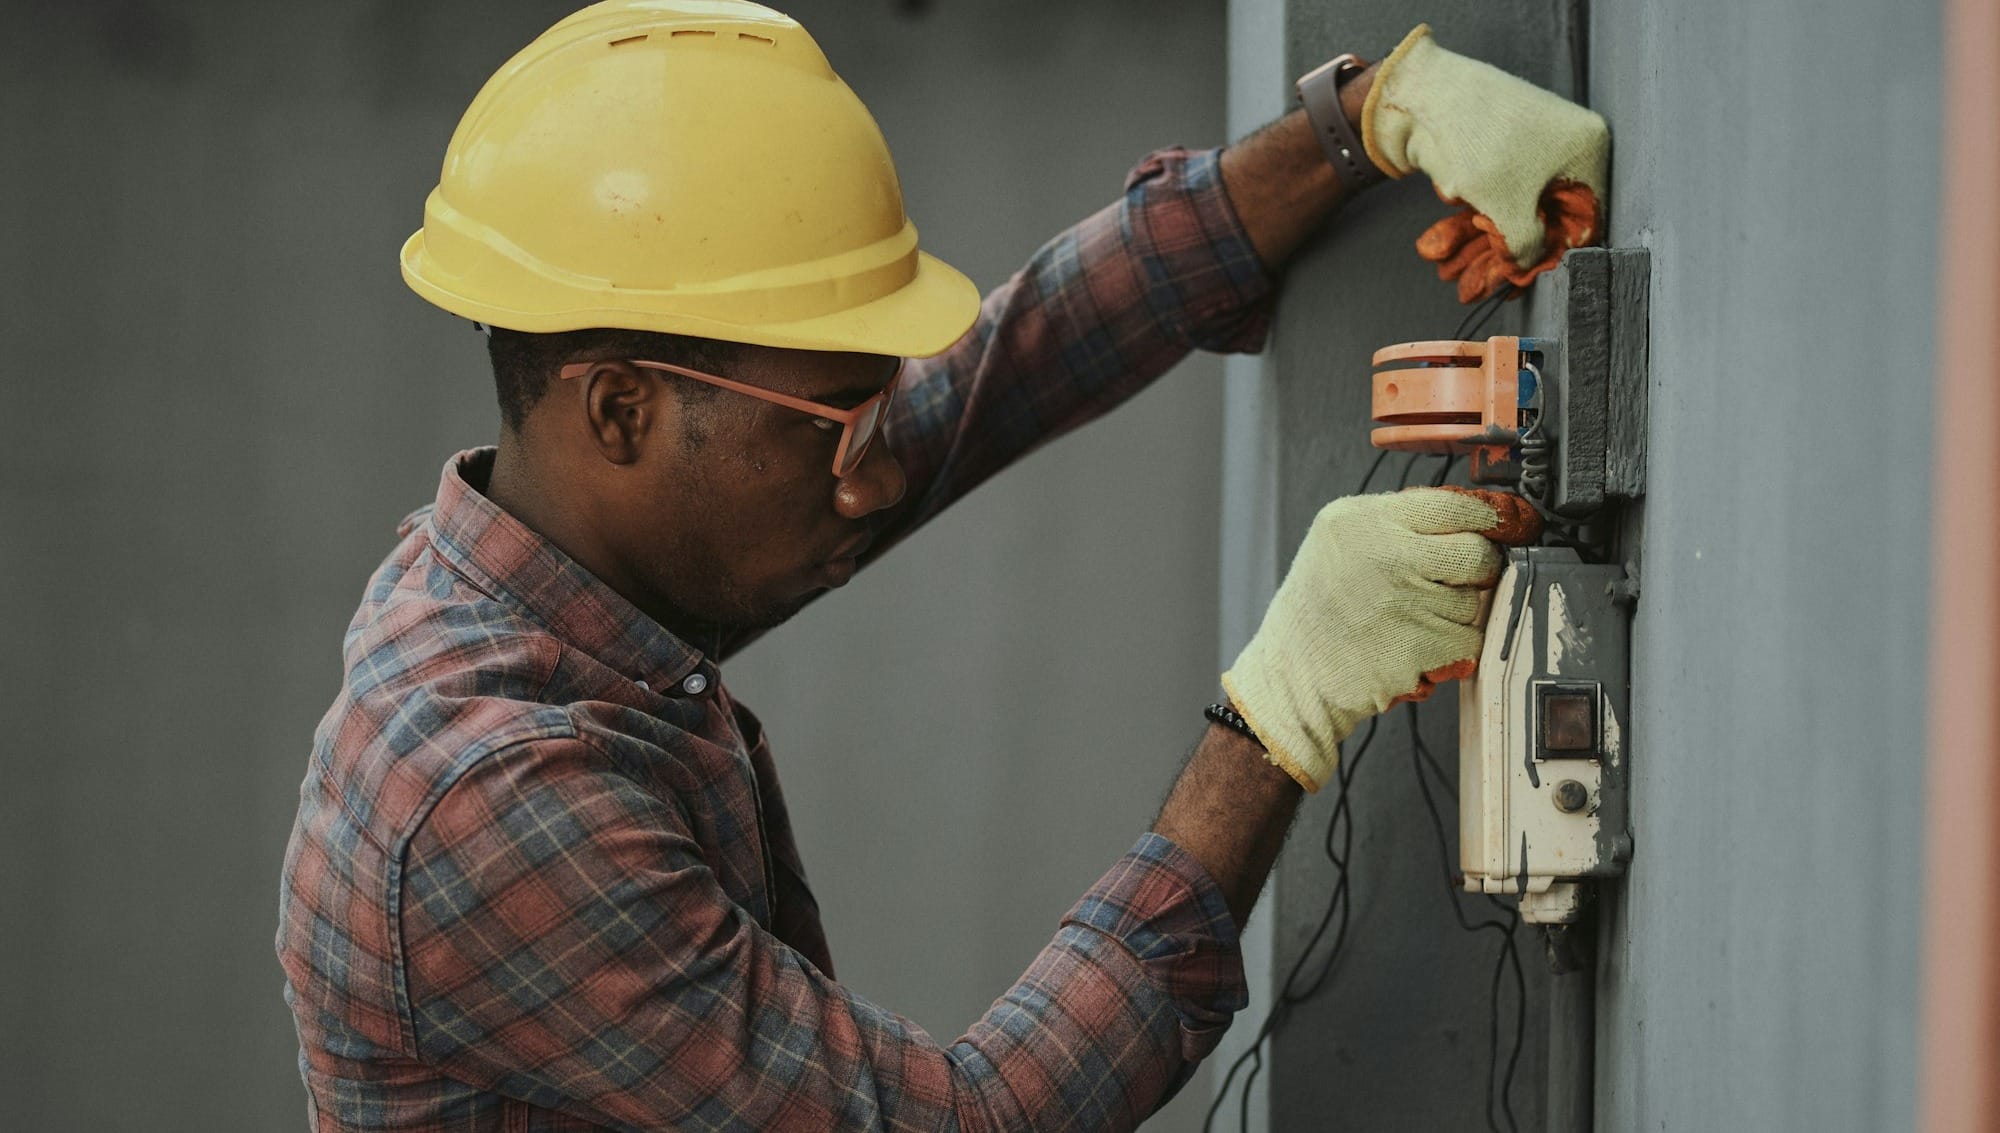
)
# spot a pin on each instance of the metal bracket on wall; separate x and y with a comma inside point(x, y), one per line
point(1593, 386)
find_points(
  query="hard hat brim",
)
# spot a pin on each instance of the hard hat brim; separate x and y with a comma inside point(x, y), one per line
point(920, 319)
point(923, 318)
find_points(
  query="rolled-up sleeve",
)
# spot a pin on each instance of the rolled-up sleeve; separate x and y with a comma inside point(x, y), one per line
point(1096, 315)
point(565, 943)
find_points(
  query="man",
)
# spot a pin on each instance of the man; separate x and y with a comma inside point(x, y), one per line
point(542, 875)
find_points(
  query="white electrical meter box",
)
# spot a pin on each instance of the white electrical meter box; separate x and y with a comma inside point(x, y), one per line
point(1542, 727)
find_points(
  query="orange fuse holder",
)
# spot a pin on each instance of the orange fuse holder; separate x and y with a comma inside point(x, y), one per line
point(1450, 397)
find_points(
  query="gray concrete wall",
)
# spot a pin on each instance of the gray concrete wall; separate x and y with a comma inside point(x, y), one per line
point(1761, 971)
point(1759, 965)
point(220, 399)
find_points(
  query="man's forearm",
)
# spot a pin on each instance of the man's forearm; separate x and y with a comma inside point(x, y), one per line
point(1230, 810)
point(1280, 182)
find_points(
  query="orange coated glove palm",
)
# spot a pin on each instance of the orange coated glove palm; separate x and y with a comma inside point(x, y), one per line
point(1468, 249)
point(1528, 165)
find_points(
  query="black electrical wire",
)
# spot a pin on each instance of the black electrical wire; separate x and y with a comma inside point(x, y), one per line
point(1372, 466)
point(1339, 904)
point(1509, 951)
point(1337, 914)
point(1483, 312)
point(1559, 530)
point(1443, 473)
point(1509, 956)
point(1579, 51)
point(1338, 909)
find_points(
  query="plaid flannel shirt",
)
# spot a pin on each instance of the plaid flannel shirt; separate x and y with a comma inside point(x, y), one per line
point(542, 876)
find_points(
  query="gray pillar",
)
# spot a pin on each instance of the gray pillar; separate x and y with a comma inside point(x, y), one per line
point(1398, 1036)
point(1759, 965)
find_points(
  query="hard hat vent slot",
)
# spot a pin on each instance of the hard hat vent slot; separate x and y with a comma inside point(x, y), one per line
point(628, 39)
point(694, 31)
point(766, 41)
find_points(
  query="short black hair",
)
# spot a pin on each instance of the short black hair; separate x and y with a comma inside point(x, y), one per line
point(525, 365)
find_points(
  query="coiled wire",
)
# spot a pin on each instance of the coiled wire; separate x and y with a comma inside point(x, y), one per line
point(1537, 450)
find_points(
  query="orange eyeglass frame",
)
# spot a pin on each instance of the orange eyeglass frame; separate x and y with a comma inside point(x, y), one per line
point(868, 415)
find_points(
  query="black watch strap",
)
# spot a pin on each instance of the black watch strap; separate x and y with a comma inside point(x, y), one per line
point(1319, 93)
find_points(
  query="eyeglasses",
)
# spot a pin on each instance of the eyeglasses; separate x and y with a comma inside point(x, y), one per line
point(859, 425)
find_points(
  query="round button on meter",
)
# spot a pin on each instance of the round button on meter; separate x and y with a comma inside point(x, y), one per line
point(1571, 796)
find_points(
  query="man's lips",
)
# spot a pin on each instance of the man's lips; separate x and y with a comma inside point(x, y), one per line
point(853, 547)
point(837, 568)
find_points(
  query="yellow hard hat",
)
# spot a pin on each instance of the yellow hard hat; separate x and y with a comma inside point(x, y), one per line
point(684, 166)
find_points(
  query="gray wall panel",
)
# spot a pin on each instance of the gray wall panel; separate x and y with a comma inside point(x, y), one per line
point(1762, 969)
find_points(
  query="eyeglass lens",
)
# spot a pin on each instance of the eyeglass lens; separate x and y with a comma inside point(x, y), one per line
point(861, 434)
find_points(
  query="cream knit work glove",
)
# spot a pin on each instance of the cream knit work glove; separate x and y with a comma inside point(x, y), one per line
point(1382, 601)
point(1486, 138)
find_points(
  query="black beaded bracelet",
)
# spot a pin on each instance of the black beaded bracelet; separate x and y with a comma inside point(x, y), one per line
point(1226, 715)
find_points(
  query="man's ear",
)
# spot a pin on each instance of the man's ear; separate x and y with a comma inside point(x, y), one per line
point(623, 405)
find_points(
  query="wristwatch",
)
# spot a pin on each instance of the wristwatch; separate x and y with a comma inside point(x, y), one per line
point(1319, 93)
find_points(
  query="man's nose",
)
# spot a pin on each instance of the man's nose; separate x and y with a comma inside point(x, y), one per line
point(875, 483)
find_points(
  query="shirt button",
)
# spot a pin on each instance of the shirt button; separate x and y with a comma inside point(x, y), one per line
point(694, 685)
point(644, 685)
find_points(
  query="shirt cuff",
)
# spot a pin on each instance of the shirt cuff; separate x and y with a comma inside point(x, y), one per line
point(1161, 905)
point(1202, 278)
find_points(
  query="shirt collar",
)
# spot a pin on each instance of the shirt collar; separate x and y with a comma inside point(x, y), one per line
point(500, 554)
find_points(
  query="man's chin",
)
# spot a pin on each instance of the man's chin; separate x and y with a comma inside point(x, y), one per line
point(745, 617)
point(773, 615)
point(772, 619)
